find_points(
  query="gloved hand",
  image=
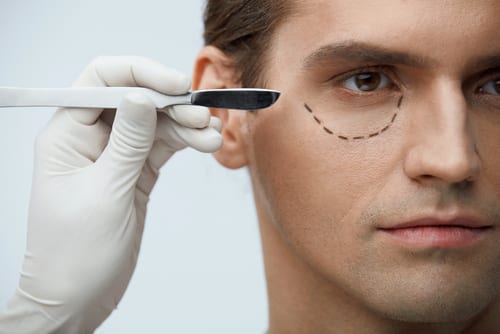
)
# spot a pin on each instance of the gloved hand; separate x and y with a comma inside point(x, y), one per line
point(91, 185)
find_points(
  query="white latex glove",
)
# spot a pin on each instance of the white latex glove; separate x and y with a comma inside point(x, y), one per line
point(90, 188)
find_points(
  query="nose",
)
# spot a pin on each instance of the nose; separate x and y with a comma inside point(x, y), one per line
point(442, 146)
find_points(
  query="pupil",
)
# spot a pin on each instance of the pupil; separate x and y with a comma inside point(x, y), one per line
point(370, 81)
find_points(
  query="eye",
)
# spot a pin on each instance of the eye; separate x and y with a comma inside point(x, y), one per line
point(491, 87)
point(367, 82)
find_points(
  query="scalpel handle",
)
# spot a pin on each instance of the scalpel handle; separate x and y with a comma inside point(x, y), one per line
point(82, 97)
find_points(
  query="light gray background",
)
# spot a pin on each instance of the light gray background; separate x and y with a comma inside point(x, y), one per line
point(200, 268)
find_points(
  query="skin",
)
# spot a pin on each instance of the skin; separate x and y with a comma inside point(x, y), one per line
point(321, 200)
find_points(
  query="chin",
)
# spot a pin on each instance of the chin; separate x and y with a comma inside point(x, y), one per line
point(444, 302)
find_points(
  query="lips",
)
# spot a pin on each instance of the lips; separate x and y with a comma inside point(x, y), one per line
point(466, 222)
point(456, 231)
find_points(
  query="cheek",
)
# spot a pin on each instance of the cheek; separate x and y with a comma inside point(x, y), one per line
point(312, 186)
point(487, 138)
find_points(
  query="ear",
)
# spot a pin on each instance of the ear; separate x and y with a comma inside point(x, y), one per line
point(213, 69)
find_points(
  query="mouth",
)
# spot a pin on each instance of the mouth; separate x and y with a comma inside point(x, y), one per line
point(432, 232)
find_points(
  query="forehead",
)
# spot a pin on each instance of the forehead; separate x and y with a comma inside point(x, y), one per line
point(446, 33)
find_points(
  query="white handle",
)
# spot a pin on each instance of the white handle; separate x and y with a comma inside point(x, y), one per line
point(81, 97)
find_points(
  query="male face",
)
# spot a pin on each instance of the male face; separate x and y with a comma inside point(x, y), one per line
point(403, 221)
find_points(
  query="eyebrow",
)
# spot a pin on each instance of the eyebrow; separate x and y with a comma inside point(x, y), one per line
point(485, 62)
point(362, 52)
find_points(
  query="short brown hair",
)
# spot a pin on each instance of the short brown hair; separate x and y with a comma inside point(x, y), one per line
point(243, 29)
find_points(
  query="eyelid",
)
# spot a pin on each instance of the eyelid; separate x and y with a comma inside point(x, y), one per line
point(384, 69)
point(486, 77)
point(475, 81)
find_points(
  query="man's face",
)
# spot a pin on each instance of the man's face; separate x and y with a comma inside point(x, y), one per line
point(341, 204)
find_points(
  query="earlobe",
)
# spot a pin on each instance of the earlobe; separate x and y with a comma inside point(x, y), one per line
point(213, 69)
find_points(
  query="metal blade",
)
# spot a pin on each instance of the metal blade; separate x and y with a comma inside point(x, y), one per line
point(241, 98)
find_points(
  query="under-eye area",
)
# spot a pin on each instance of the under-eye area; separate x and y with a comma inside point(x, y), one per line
point(354, 124)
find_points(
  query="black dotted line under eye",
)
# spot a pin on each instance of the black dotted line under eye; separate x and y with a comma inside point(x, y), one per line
point(371, 135)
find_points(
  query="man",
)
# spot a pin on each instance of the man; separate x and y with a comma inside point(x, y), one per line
point(375, 175)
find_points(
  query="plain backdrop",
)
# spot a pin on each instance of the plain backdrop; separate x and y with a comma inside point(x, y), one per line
point(200, 268)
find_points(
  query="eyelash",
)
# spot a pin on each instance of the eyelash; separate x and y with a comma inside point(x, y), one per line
point(339, 79)
point(386, 70)
point(495, 76)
